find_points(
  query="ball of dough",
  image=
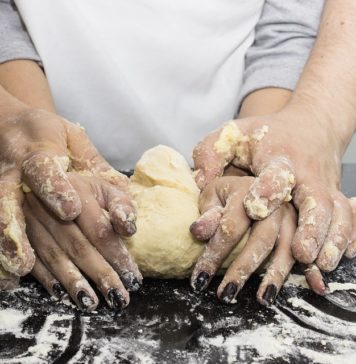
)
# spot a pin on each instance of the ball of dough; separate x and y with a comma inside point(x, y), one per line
point(166, 196)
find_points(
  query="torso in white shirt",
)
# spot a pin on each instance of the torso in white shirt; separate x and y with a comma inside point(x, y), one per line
point(143, 72)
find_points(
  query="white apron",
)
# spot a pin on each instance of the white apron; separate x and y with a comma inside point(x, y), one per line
point(136, 73)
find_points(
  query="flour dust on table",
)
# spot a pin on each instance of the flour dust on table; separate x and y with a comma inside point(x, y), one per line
point(167, 323)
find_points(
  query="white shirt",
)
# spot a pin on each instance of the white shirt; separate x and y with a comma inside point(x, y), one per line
point(136, 73)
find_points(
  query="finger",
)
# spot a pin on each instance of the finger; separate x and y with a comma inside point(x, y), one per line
point(47, 280)
point(217, 150)
point(315, 279)
point(121, 210)
point(7, 280)
point(210, 207)
point(59, 264)
point(206, 225)
point(270, 189)
point(351, 249)
point(96, 226)
point(233, 225)
point(339, 235)
point(45, 174)
point(83, 255)
point(118, 203)
point(16, 254)
point(85, 157)
point(315, 212)
point(282, 261)
point(259, 245)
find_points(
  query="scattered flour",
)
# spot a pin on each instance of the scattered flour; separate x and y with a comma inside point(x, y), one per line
point(11, 320)
point(300, 281)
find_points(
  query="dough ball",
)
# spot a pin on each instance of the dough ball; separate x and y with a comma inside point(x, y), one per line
point(166, 196)
point(163, 246)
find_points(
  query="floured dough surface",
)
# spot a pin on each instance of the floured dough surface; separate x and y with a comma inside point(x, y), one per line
point(166, 195)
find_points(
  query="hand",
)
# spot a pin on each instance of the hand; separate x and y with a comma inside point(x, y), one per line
point(292, 150)
point(89, 245)
point(38, 147)
point(224, 222)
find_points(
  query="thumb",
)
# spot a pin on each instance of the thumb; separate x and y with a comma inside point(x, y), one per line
point(216, 151)
point(16, 254)
point(86, 158)
point(45, 174)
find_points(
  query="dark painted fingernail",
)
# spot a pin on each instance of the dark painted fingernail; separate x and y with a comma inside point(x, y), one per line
point(85, 301)
point(229, 292)
point(270, 294)
point(201, 282)
point(58, 290)
point(116, 299)
point(130, 281)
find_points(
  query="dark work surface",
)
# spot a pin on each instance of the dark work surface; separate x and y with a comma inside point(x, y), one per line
point(167, 323)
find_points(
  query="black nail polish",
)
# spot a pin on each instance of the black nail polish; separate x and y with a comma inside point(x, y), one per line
point(229, 292)
point(58, 290)
point(130, 281)
point(85, 301)
point(270, 294)
point(201, 281)
point(116, 299)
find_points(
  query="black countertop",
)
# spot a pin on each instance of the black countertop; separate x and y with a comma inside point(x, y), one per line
point(167, 323)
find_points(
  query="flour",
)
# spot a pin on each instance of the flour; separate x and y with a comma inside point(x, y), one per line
point(48, 338)
point(11, 320)
point(282, 341)
point(299, 280)
point(168, 323)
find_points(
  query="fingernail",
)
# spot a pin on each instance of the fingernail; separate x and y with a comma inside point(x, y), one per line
point(58, 290)
point(201, 282)
point(116, 299)
point(85, 301)
point(130, 281)
point(229, 292)
point(270, 294)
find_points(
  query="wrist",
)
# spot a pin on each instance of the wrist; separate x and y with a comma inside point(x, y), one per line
point(339, 127)
point(9, 105)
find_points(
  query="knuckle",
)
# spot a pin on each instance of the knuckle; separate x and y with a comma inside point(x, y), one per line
point(78, 245)
point(54, 253)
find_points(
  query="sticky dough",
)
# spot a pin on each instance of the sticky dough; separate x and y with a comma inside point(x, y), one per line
point(166, 195)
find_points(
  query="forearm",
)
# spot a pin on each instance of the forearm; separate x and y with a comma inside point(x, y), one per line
point(25, 81)
point(328, 83)
point(264, 101)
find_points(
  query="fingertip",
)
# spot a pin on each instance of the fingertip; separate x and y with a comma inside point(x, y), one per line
point(227, 292)
point(270, 189)
point(124, 222)
point(200, 280)
point(256, 207)
point(132, 282)
point(315, 280)
point(351, 250)
point(305, 250)
point(118, 299)
point(68, 210)
point(87, 302)
point(267, 295)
